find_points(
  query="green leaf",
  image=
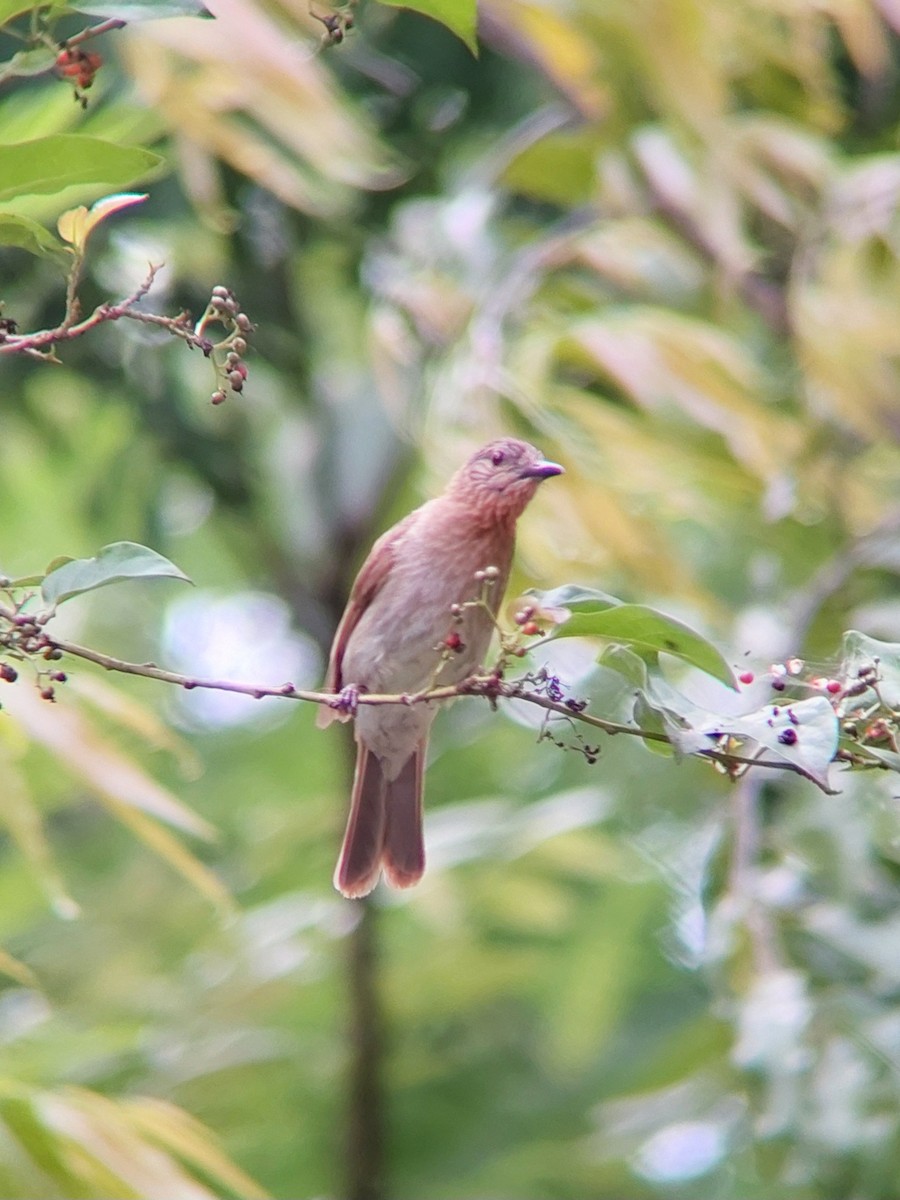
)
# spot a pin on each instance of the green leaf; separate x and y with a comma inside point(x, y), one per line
point(26, 581)
point(144, 10)
point(460, 16)
point(114, 563)
point(29, 235)
point(28, 62)
point(582, 612)
point(654, 719)
point(50, 164)
point(12, 8)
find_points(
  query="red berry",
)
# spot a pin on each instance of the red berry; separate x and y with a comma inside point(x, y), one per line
point(530, 628)
point(746, 677)
point(453, 641)
point(834, 686)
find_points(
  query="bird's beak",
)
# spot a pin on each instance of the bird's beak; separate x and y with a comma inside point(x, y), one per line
point(542, 469)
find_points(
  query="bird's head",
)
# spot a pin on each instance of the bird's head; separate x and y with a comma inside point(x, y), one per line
point(502, 477)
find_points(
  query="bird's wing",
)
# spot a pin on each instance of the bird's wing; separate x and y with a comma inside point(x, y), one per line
point(368, 584)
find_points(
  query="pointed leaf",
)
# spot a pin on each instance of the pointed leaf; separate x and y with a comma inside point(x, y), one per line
point(50, 164)
point(75, 225)
point(582, 612)
point(460, 16)
point(114, 563)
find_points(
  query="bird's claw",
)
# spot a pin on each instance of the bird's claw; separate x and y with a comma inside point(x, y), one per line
point(347, 700)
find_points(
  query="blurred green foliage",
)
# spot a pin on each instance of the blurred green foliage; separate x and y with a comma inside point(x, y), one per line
point(659, 238)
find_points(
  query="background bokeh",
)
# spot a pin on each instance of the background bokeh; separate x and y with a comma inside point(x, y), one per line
point(659, 238)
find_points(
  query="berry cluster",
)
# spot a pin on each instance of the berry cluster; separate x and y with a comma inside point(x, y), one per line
point(337, 24)
point(227, 355)
point(80, 66)
point(23, 639)
point(865, 716)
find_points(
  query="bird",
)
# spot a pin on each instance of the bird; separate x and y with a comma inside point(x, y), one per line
point(420, 614)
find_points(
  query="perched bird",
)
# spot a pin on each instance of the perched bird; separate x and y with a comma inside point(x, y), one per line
point(401, 634)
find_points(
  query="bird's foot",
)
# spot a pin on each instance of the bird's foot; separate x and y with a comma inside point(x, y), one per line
point(347, 700)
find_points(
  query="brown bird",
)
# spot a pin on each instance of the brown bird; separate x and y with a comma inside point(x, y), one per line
point(398, 635)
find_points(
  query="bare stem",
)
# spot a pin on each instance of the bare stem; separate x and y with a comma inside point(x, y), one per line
point(40, 342)
point(95, 31)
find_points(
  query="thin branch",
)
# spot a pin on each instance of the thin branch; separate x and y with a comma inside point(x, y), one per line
point(491, 687)
point(70, 328)
point(95, 31)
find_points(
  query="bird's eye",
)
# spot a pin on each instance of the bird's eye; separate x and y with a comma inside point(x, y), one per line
point(497, 457)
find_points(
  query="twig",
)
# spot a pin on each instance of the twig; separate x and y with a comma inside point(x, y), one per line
point(70, 328)
point(95, 31)
point(489, 686)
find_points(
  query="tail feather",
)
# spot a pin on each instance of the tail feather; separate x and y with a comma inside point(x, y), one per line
point(384, 829)
point(359, 864)
point(403, 857)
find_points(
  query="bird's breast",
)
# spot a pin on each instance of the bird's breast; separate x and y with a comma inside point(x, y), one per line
point(407, 639)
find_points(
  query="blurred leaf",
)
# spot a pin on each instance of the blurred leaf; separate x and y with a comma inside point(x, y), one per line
point(27, 62)
point(76, 225)
point(280, 121)
point(183, 1136)
point(460, 16)
point(559, 168)
point(113, 564)
point(21, 817)
point(142, 10)
point(81, 748)
point(51, 164)
point(861, 652)
point(171, 851)
point(561, 45)
point(29, 235)
point(12, 8)
point(129, 713)
point(17, 970)
point(92, 1145)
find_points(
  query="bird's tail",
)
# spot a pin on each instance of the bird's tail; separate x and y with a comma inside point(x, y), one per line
point(384, 829)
